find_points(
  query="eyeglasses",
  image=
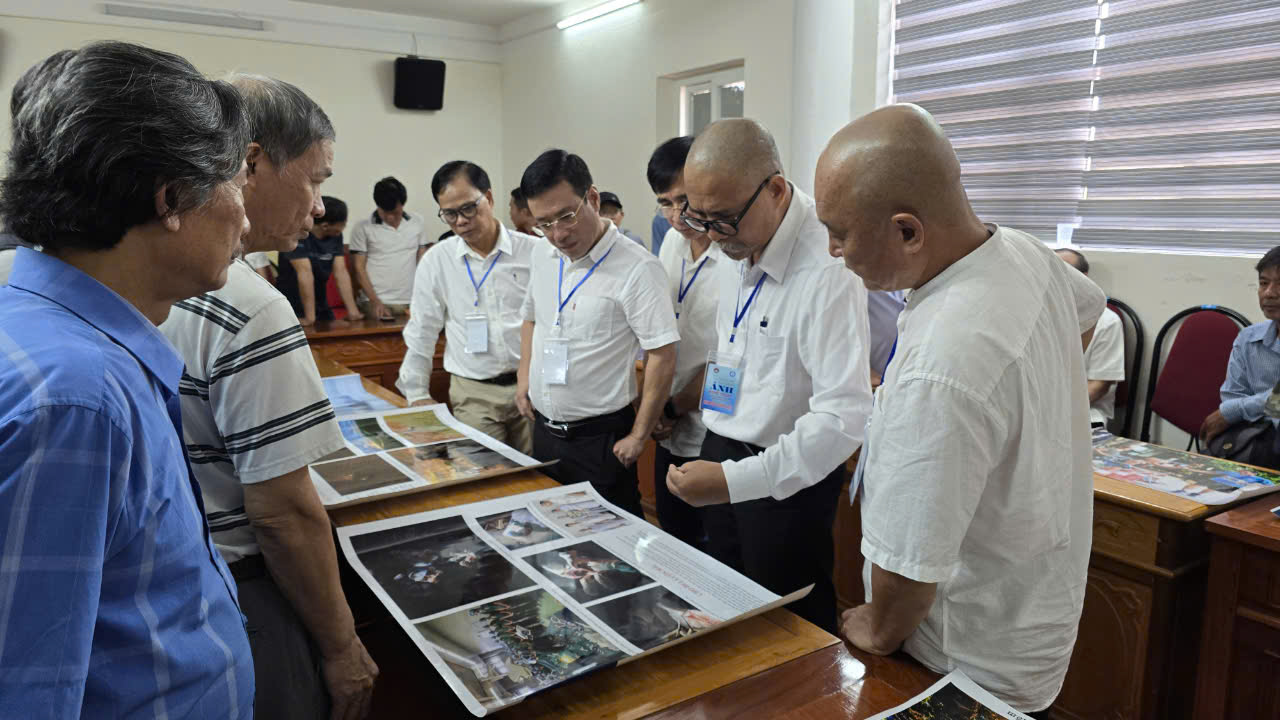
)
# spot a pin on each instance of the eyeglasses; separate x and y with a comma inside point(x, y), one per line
point(727, 228)
point(467, 211)
point(565, 221)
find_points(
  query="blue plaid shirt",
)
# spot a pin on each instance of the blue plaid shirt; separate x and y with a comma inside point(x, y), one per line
point(1252, 371)
point(113, 601)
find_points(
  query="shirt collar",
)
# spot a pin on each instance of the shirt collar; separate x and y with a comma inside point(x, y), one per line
point(602, 247)
point(1263, 332)
point(503, 245)
point(101, 307)
point(711, 254)
point(777, 254)
point(377, 219)
point(955, 268)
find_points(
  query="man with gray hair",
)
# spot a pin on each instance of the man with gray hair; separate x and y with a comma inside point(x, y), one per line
point(256, 414)
point(126, 169)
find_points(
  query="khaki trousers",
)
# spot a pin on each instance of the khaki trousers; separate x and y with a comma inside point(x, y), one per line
point(491, 409)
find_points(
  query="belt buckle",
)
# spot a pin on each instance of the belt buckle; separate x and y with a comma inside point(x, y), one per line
point(557, 429)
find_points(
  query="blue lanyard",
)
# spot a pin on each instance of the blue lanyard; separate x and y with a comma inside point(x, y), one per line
point(684, 289)
point(737, 318)
point(478, 285)
point(560, 283)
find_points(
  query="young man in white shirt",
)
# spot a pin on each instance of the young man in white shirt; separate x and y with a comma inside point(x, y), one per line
point(595, 299)
point(1104, 358)
point(773, 459)
point(255, 414)
point(690, 261)
point(472, 286)
point(977, 491)
point(385, 249)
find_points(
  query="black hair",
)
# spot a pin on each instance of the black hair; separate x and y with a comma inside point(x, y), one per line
point(553, 167)
point(282, 118)
point(1270, 260)
point(1081, 264)
point(96, 131)
point(476, 175)
point(389, 193)
point(518, 199)
point(335, 211)
point(667, 162)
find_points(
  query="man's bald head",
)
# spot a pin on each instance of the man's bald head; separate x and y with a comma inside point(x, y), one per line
point(888, 188)
point(735, 148)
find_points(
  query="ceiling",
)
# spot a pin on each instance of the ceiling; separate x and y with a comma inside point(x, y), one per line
point(482, 12)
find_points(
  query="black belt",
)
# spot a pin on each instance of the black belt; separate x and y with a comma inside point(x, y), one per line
point(248, 568)
point(616, 421)
point(503, 379)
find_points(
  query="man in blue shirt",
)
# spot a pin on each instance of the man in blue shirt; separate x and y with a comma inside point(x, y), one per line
point(113, 601)
point(1254, 367)
point(305, 271)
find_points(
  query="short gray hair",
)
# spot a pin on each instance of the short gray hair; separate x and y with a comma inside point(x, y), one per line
point(282, 118)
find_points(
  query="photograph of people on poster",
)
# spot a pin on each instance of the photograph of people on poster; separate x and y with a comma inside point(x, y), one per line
point(360, 473)
point(517, 529)
point(434, 566)
point(367, 436)
point(652, 617)
point(587, 571)
point(420, 428)
point(453, 460)
point(505, 649)
point(580, 514)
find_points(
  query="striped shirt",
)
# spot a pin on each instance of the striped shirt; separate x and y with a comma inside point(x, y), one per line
point(253, 405)
point(1252, 371)
point(113, 602)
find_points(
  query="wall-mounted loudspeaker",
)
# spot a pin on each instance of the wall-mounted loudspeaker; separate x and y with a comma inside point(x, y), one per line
point(419, 84)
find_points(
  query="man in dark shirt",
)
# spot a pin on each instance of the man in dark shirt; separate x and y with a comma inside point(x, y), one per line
point(311, 264)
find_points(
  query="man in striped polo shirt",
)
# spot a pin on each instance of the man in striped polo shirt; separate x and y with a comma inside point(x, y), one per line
point(255, 414)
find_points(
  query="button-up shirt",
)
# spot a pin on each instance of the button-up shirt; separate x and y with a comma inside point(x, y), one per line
point(697, 325)
point(444, 296)
point(391, 255)
point(978, 472)
point(1104, 360)
point(805, 388)
point(622, 308)
point(1252, 372)
point(113, 601)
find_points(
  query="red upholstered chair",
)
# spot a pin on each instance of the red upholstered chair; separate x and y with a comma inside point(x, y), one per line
point(1185, 391)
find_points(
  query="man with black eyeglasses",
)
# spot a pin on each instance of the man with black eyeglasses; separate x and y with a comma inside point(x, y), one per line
point(594, 300)
point(472, 285)
point(788, 389)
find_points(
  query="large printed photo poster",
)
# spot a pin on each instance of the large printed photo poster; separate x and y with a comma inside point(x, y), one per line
point(512, 596)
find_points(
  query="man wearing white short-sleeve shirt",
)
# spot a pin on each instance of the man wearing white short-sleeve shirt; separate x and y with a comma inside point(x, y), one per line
point(385, 249)
point(595, 299)
point(976, 475)
point(1104, 358)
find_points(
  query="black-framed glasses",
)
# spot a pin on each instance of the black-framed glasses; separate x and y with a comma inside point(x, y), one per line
point(467, 211)
point(565, 221)
point(727, 228)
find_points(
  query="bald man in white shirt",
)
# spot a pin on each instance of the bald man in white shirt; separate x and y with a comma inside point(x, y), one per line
point(976, 473)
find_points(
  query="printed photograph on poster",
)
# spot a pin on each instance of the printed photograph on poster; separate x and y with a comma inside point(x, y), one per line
point(453, 460)
point(517, 529)
point(359, 473)
point(954, 697)
point(420, 428)
point(367, 436)
point(587, 571)
point(338, 454)
point(1205, 479)
point(434, 566)
point(580, 514)
point(509, 648)
point(347, 395)
point(652, 617)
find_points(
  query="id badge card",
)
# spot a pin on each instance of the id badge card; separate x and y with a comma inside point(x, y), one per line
point(477, 334)
point(555, 361)
point(723, 380)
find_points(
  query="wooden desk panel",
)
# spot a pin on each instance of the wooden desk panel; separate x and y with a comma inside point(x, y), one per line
point(374, 348)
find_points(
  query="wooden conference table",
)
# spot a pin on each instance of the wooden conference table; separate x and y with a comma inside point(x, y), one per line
point(774, 665)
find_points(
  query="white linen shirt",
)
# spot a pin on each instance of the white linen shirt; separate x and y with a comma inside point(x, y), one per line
point(697, 326)
point(443, 297)
point(978, 472)
point(622, 308)
point(1104, 360)
point(392, 255)
point(805, 387)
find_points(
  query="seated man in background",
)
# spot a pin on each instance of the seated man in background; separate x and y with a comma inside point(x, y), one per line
point(1104, 358)
point(385, 249)
point(255, 414)
point(116, 603)
point(521, 218)
point(1253, 370)
point(303, 276)
point(611, 209)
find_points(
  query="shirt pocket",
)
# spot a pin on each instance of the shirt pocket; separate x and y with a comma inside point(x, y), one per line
point(589, 318)
point(769, 356)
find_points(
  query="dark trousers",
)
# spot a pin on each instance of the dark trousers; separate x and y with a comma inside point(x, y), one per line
point(587, 456)
point(782, 544)
point(676, 516)
point(286, 664)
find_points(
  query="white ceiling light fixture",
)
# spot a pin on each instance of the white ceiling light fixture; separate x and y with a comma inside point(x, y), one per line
point(183, 16)
point(595, 12)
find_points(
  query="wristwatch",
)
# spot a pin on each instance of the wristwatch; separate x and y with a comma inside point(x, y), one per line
point(669, 410)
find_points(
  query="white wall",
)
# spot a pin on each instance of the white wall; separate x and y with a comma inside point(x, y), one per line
point(353, 86)
point(824, 39)
point(593, 89)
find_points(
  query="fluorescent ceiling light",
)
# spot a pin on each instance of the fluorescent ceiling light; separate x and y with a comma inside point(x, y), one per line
point(595, 12)
point(182, 16)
